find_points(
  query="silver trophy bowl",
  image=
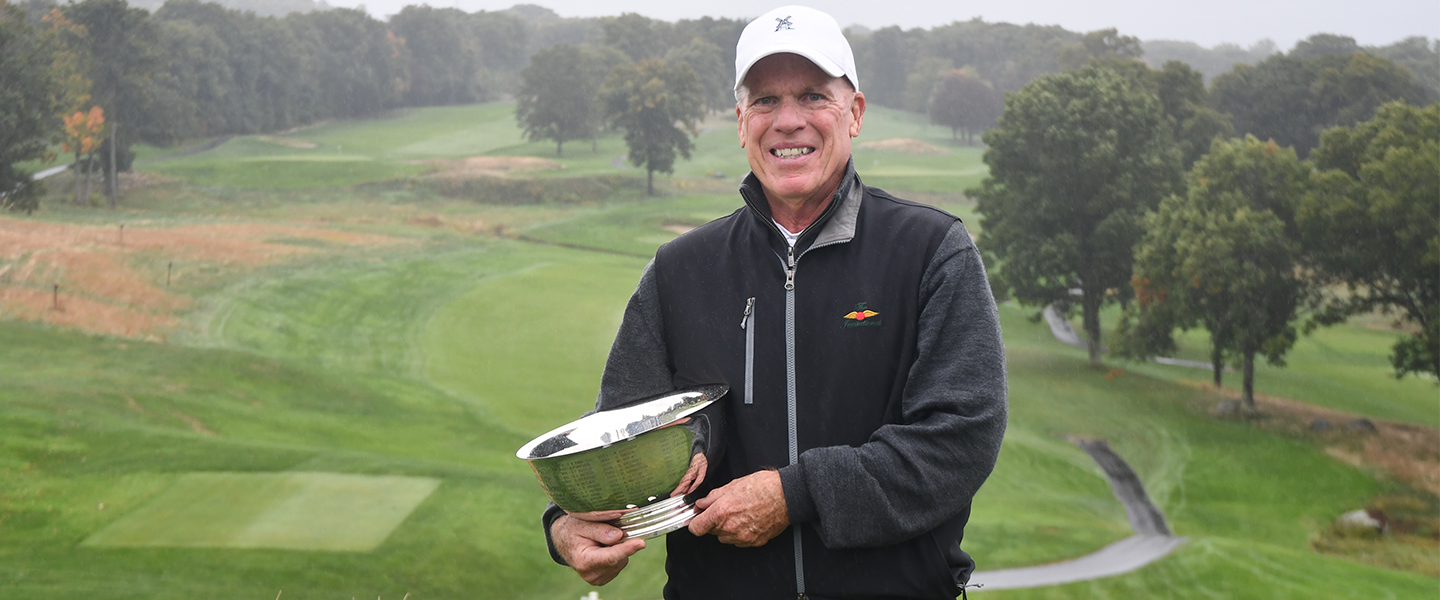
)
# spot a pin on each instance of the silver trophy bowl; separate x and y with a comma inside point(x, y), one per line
point(643, 458)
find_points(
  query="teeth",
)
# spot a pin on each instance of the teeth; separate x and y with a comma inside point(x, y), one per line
point(791, 152)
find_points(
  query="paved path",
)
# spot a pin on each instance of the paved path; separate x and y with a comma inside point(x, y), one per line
point(1151, 542)
point(1063, 331)
point(50, 171)
point(1118, 558)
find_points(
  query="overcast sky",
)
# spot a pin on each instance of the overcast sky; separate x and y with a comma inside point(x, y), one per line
point(1373, 22)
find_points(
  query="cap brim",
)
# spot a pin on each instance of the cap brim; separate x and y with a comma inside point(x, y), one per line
point(825, 64)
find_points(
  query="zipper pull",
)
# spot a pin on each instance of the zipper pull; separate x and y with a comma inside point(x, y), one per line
point(749, 306)
point(790, 269)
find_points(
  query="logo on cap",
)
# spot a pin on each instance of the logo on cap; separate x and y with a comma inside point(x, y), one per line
point(782, 23)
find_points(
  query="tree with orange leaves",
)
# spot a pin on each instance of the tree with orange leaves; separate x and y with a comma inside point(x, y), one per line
point(84, 131)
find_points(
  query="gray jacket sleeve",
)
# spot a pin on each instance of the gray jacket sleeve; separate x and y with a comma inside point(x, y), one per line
point(638, 366)
point(911, 477)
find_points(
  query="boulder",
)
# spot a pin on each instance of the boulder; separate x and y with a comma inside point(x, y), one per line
point(1358, 523)
point(1229, 409)
point(1360, 426)
point(1320, 425)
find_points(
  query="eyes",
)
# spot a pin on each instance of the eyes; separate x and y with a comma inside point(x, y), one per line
point(806, 99)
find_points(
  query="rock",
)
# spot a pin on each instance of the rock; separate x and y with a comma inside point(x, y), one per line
point(1360, 426)
point(1358, 523)
point(1229, 409)
point(1319, 425)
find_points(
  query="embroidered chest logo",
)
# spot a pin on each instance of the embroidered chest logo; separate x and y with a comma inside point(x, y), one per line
point(862, 316)
point(782, 24)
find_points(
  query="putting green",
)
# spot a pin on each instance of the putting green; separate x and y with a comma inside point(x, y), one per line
point(291, 511)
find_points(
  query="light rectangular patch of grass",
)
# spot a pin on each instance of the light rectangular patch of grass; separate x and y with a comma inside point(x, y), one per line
point(290, 511)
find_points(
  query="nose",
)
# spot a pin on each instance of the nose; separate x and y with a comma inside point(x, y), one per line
point(789, 117)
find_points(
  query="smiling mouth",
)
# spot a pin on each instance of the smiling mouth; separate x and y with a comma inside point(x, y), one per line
point(791, 152)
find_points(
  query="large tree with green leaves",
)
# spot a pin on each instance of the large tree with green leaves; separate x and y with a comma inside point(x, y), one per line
point(1372, 227)
point(1075, 162)
point(30, 97)
point(559, 93)
point(1223, 257)
point(658, 105)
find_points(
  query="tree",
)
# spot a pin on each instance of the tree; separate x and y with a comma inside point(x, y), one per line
point(883, 57)
point(558, 97)
point(1293, 98)
point(964, 102)
point(708, 62)
point(1224, 257)
point(123, 56)
point(360, 63)
point(638, 37)
point(924, 77)
point(1075, 161)
point(84, 132)
point(30, 97)
point(1103, 44)
point(445, 60)
point(1185, 102)
point(1372, 225)
point(658, 105)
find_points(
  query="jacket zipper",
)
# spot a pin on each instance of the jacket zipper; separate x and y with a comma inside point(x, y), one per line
point(790, 407)
point(794, 442)
point(748, 324)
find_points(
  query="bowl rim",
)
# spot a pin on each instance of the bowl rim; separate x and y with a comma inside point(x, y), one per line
point(604, 422)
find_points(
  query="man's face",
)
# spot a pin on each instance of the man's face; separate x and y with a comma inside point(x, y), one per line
point(795, 124)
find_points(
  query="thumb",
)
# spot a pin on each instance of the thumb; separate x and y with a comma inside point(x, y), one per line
point(703, 522)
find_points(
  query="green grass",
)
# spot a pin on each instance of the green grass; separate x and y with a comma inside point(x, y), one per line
point(293, 511)
point(1344, 367)
point(389, 148)
point(435, 360)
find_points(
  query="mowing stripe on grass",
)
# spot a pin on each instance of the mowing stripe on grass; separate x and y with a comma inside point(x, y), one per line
point(291, 511)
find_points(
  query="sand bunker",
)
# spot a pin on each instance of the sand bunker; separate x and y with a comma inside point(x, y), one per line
point(902, 146)
point(286, 142)
point(104, 289)
point(477, 167)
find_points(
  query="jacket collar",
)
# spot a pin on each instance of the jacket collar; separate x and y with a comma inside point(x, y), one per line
point(835, 225)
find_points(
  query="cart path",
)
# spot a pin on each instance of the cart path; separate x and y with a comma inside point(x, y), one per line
point(1151, 542)
point(1063, 331)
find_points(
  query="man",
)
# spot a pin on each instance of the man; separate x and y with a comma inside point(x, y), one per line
point(861, 344)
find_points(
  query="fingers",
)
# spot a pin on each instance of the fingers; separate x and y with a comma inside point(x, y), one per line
point(746, 512)
point(598, 565)
point(587, 547)
point(704, 522)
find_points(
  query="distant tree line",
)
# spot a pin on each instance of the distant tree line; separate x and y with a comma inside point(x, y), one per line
point(191, 70)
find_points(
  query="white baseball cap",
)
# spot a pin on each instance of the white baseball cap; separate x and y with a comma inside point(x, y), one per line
point(797, 30)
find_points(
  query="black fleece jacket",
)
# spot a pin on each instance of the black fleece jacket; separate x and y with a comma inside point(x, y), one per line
point(874, 380)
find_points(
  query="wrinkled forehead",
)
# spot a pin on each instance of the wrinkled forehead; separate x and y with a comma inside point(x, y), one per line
point(789, 72)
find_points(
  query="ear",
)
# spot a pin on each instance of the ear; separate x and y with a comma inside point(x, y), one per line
point(857, 114)
point(740, 124)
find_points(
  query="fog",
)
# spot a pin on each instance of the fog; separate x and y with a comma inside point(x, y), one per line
point(1208, 23)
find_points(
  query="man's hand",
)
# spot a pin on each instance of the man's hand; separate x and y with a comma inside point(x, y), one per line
point(746, 512)
point(589, 545)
